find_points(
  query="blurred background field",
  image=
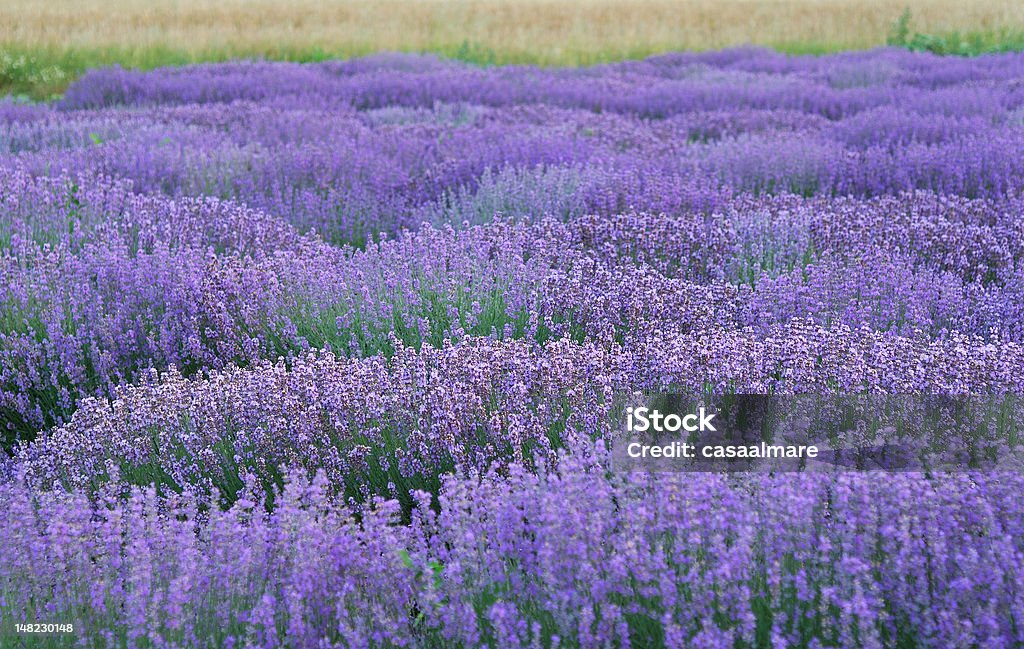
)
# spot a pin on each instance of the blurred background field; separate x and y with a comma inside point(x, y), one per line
point(46, 45)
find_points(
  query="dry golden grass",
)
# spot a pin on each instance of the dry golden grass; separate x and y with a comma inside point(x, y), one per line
point(542, 31)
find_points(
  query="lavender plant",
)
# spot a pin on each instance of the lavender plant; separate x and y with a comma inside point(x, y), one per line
point(329, 354)
point(569, 557)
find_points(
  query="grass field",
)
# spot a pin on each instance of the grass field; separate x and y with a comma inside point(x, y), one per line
point(46, 45)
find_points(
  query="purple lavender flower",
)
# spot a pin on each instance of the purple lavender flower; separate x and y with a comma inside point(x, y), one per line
point(327, 354)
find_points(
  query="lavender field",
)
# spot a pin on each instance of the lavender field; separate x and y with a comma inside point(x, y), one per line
point(323, 355)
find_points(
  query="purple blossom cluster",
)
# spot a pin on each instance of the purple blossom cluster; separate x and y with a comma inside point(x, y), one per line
point(480, 403)
point(103, 284)
point(563, 557)
point(353, 149)
point(329, 354)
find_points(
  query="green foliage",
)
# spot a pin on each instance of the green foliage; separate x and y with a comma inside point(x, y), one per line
point(899, 35)
point(953, 43)
point(32, 74)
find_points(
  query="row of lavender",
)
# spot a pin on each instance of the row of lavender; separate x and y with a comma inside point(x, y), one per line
point(565, 558)
point(357, 148)
point(388, 271)
point(102, 284)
